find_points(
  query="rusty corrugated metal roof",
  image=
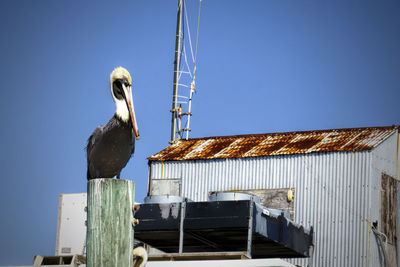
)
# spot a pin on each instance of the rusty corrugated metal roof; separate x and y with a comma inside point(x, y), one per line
point(273, 144)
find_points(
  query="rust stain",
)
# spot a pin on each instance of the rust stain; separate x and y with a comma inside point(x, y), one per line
point(388, 208)
point(272, 144)
point(243, 147)
point(270, 149)
point(304, 144)
point(175, 151)
point(217, 146)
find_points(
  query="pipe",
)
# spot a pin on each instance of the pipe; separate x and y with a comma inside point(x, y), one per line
point(176, 72)
point(398, 198)
point(383, 244)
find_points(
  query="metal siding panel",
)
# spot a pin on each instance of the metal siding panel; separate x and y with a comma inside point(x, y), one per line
point(398, 225)
point(383, 160)
point(330, 195)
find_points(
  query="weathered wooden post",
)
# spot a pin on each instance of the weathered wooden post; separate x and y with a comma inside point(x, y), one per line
point(109, 236)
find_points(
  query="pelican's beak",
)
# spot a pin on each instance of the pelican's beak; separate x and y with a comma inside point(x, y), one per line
point(129, 103)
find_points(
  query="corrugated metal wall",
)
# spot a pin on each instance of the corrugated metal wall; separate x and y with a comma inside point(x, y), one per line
point(336, 193)
point(383, 160)
point(331, 194)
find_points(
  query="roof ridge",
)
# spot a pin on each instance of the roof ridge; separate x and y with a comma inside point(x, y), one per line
point(292, 132)
point(273, 144)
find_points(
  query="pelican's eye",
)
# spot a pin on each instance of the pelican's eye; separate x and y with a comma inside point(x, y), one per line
point(125, 82)
point(117, 89)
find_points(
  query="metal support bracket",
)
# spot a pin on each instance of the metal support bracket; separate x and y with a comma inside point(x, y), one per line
point(183, 212)
point(250, 229)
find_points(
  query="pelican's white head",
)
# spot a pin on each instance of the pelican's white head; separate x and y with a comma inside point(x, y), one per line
point(140, 256)
point(121, 91)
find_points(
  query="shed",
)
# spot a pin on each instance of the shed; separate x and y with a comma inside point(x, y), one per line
point(345, 184)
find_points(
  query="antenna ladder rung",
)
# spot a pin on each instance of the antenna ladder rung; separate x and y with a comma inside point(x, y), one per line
point(185, 114)
point(184, 130)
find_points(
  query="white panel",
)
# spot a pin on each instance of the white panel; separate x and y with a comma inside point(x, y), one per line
point(71, 229)
point(166, 187)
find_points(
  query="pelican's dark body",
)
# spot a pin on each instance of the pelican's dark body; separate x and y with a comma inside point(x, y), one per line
point(109, 149)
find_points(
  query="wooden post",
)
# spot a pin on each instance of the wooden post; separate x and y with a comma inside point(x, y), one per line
point(109, 236)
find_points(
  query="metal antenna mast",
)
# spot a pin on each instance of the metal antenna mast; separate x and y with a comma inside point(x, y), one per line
point(175, 108)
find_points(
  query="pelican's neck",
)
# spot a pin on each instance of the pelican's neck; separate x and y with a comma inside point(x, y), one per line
point(121, 110)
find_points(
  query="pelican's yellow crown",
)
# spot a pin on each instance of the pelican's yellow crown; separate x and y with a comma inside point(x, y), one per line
point(120, 73)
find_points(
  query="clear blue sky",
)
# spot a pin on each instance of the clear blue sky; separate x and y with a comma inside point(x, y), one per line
point(263, 66)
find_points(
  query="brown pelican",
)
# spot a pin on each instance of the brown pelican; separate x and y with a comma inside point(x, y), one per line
point(111, 146)
point(140, 256)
